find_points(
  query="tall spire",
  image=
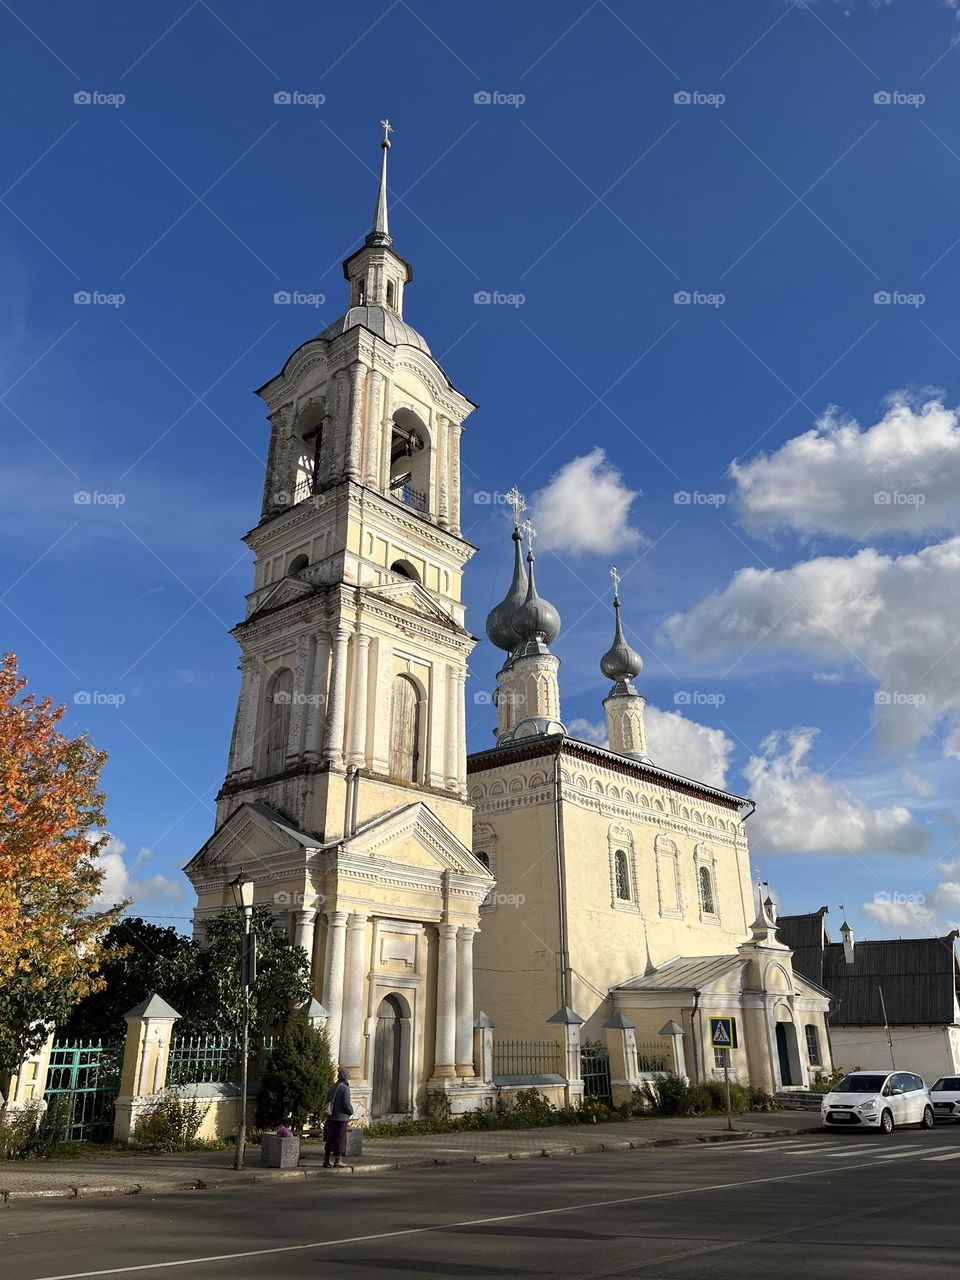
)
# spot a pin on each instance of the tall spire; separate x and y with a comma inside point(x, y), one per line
point(500, 618)
point(620, 663)
point(380, 231)
point(624, 706)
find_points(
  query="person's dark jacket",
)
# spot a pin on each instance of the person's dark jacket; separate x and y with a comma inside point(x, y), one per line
point(339, 1095)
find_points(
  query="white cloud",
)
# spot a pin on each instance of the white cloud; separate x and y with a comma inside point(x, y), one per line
point(898, 615)
point(802, 811)
point(586, 508)
point(922, 787)
point(675, 743)
point(901, 913)
point(120, 882)
point(901, 475)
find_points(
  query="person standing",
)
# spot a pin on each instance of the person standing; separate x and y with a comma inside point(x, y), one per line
point(339, 1111)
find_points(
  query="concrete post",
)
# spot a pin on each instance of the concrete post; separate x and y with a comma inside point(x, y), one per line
point(675, 1032)
point(622, 1048)
point(483, 1047)
point(146, 1051)
point(28, 1084)
point(571, 1023)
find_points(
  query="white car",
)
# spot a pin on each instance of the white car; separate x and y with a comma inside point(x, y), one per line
point(945, 1093)
point(881, 1100)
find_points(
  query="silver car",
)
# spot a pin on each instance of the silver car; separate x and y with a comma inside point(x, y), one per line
point(882, 1100)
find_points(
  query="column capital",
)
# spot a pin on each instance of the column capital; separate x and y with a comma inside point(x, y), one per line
point(306, 915)
point(358, 919)
point(467, 931)
point(447, 930)
point(336, 918)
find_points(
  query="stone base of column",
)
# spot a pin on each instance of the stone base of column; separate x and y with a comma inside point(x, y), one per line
point(465, 1095)
point(442, 1075)
point(361, 1096)
point(466, 1070)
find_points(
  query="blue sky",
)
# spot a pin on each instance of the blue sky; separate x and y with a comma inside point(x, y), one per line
point(779, 164)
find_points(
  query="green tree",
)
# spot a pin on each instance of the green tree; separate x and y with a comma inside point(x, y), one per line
point(283, 977)
point(295, 1083)
point(138, 959)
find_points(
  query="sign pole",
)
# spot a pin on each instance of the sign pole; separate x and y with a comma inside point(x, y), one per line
point(726, 1084)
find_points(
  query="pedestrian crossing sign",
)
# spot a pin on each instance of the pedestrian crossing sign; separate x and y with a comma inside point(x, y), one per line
point(723, 1033)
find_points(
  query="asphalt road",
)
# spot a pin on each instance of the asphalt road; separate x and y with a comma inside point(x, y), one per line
point(857, 1205)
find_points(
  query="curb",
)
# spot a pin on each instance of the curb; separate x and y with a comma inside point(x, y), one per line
point(80, 1191)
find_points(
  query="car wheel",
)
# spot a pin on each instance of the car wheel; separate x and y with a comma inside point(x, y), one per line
point(886, 1122)
point(927, 1121)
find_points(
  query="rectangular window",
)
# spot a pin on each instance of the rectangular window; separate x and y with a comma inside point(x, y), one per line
point(813, 1046)
point(721, 1057)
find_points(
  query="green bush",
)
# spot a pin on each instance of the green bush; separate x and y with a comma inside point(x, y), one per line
point(171, 1124)
point(762, 1100)
point(33, 1131)
point(297, 1078)
point(531, 1107)
point(823, 1082)
point(667, 1094)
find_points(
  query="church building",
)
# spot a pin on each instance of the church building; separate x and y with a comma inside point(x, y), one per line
point(624, 895)
point(345, 794)
point(544, 881)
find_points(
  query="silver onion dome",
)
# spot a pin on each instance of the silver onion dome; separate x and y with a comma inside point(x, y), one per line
point(500, 628)
point(620, 663)
point(536, 621)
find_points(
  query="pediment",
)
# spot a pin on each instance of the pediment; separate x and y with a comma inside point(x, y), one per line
point(285, 592)
point(415, 836)
point(251, 832)
point(416, 598)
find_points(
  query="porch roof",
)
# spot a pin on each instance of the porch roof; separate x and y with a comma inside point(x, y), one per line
point(684, 973)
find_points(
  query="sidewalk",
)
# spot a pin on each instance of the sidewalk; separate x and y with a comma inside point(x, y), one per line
point(122, 1173)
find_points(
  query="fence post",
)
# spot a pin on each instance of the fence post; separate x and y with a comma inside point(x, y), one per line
point(571, 1023)
point(622, 1048)
point(675, 1032)
point(146, 1050)
point(30, 1081)
point(316, 1014)
point(483, 1047)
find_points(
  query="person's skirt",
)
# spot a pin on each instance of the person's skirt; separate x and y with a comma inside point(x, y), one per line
point(335, 1136)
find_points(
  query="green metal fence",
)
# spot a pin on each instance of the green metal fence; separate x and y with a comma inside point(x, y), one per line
point(652, 1056)
point(82, 1085)
point(212, 1059)
point(595, 1071)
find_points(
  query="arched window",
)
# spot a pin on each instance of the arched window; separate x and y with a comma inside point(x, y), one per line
point(297, 565)
point(391, 293)
point(483, 857)
point(621, 875)
point(410, 461)
point(405, 730)
point(706, 891)
point(813, 1045)
point(405, 569)
point(276, 720)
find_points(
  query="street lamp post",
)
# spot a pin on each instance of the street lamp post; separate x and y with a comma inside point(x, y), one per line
point(242, 890)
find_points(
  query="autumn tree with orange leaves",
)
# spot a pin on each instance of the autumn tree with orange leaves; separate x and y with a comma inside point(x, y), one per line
point(51, 830)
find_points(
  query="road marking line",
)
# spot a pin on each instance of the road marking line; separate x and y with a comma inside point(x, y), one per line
point(951, 1155)
point(445, 1226)
point(899, 1155)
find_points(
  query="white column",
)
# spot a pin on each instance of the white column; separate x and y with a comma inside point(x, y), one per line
point(341, 427)
point(372, 426)
point(453, 476)
point(452, 762)
point(337, 698)
point(446, 1046)
point(250, 693)
point(443, 467)
point(462, 727)
point(332, 998)
point(465, 1001)
point(304, 925)
point(354, 993)
point(355, 437)
point(357, 753)
point(327, 460)
point(300, 691)
point(317, 698)
point(386, 440)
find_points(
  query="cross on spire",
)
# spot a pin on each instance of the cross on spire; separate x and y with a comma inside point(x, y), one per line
point(531, 533)
point(515, 500)
point(387, 130)
point(614, 574)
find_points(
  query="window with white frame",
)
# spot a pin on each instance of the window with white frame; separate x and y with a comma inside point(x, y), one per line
point(623, 869)
point(706, 882)
point(668, 878)
point(621, 875)
point(813, 1045)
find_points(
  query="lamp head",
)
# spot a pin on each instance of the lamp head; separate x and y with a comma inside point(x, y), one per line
point(242, 890)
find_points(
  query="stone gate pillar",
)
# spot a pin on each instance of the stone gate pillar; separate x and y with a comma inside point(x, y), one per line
point(146, 1050)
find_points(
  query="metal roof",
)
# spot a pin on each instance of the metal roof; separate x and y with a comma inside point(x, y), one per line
point(683, 973)
point(381, 322)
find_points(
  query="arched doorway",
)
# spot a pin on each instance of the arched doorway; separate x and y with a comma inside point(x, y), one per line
point(387, 1057)
point(788, 1054)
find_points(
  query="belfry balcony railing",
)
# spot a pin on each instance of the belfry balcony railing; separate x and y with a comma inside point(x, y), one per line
point(411, 497)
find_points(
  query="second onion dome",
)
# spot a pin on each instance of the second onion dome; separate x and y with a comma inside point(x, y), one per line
point(621, 663)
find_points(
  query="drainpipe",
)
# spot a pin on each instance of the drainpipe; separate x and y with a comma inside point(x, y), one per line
point(561, 886)
point(697, 1012)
